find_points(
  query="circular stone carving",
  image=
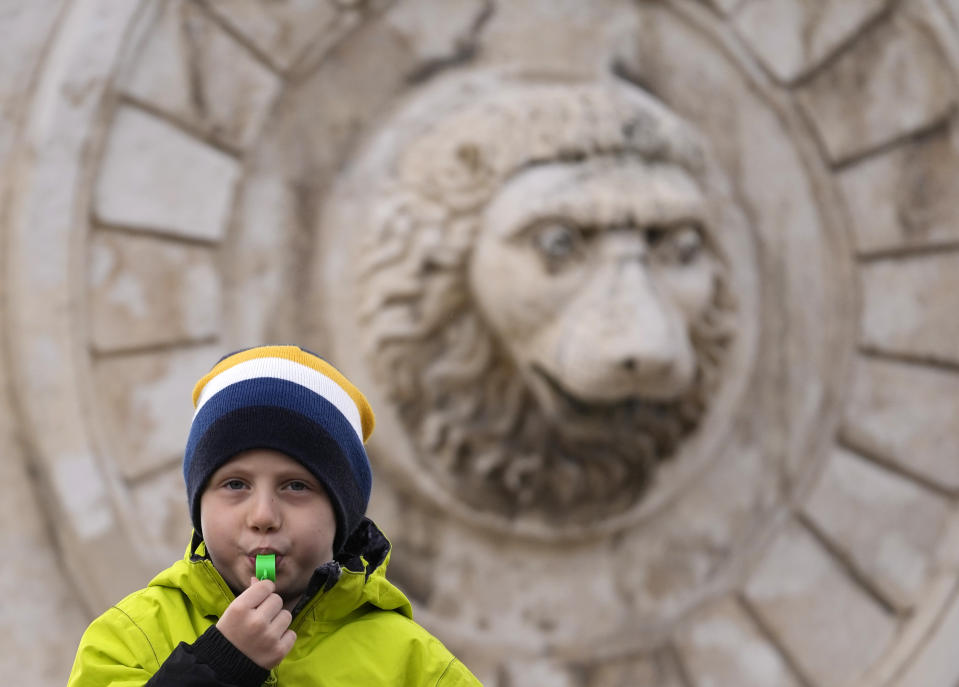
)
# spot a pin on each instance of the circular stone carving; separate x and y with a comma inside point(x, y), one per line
point(543, 277)
point(382, 195)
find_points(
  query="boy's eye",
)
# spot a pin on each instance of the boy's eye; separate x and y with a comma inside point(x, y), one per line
point(234, 484)
point(298, 486)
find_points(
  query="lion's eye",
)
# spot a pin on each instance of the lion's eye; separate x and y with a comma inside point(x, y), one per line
point(655, 235)
point(557, 241)
point(681, 246)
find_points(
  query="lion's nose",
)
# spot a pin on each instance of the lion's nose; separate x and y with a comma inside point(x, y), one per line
point(645, 340)
point(649, 365)
point(642, 320)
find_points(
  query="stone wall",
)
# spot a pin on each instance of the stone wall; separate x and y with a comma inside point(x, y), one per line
point(42, 610)
point(655, 301)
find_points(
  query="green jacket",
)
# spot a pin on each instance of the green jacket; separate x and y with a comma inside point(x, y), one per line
point(353, 628)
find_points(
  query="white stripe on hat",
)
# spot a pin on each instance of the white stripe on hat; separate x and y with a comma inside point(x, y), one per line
point(282, 368)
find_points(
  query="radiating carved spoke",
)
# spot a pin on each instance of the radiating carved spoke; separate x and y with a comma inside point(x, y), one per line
point(723, 645)
point(192, 70)
point(902, 414)
point(156, 177)
point(887, 529)
point(831, 627)
point(909, 307)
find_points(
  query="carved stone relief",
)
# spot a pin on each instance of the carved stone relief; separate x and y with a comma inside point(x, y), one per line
point(653, 300)
point(542, 293)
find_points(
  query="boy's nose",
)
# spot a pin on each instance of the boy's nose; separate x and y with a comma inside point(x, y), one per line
point(264, 514)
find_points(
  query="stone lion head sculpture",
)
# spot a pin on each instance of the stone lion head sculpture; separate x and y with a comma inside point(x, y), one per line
point(544, 300)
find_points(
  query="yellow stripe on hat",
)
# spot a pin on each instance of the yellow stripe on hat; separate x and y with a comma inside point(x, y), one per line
point(297, 355)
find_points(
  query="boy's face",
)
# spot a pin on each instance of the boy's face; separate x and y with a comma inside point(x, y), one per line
point(263, 501)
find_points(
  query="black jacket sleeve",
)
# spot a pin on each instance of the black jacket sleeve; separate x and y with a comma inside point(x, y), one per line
point(211, 661)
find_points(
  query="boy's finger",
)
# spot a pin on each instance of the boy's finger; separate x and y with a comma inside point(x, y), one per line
point(255, 594)
point(283, 619)
point(285, 643)
point(270, 606)
point(278, 626)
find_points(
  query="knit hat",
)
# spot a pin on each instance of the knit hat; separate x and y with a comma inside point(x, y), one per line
point(290, 400)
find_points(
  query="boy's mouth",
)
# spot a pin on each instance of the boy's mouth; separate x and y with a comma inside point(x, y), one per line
point(251, 556)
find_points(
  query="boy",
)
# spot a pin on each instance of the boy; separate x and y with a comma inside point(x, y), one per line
point(275, 464)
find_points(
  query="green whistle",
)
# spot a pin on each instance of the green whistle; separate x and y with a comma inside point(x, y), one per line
point(266, 566)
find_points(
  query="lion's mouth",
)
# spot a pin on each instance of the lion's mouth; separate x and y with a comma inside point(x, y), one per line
point(664, 420)
point(577, 405)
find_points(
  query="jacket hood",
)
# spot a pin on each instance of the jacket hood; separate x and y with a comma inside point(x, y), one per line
point(356, 577)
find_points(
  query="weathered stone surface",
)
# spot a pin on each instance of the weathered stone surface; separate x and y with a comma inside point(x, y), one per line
point(43, 287)
point(724, 6)
point(832, 628)
point(721, 646)
point(41, 616)
point(910, 305)
point(659, 669)
point(192, 69)
point(154, 176)
point(281, 30)
point(537, 672)
point(936, 664)
point(692, 544)
point(166, 518)
point(266, 246)
point(526, 618)
point(148, 404)
point(792, 36)
point(35, 587)
point(891, 82)
point(889, 527)
point(318, 119)
point(906, 414)
point(550, 35)
point(905, 198)
point(952, 9)
point(20, 25)
point(437, 30)
point(148, 291)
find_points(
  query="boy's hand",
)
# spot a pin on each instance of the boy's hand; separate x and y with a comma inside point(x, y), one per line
point(258, 625)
